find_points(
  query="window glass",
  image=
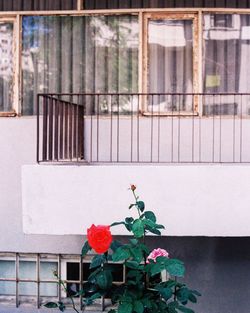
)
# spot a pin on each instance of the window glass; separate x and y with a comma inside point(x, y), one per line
point(226, 55)
point(6, 66)
point(94, 54)
point(170, 44)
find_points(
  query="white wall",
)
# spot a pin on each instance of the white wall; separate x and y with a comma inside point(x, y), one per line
point(18, 147)
point(190, 200)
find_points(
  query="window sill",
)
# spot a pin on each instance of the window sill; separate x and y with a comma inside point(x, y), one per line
point(8, 114)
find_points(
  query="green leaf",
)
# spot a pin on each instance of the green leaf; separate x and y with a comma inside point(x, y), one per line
point(138, 307)
point(132, 264)
point(183, 295)
point(129, 220)
point(138, 228)
point(150, 216)
point(192, 298)
point(166, 293)
point(61, 306)
point(117, 223)
point(133, 241)
point(159, 226)
point(156, 268)
point(86, 248)
point(115, 245)
point(104, 279)
point(95, 296)
point(153, 230)
point(120, 254)
point(125, 307)
point(175, 267)
point(97, 261)
point(149, 223)
point(184, 309)
point(140, 205)
point(112, 311)
point(195, 292)
point(137, 254)
point(51, 305)
point(131, 205)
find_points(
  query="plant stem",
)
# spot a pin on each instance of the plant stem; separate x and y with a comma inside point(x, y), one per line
point(61, 282)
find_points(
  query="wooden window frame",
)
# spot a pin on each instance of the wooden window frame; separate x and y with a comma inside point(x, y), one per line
point(145, 48)
point(16, 18)
point(15, 60)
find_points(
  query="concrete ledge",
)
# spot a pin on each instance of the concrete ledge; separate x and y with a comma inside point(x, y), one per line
point(190, 200)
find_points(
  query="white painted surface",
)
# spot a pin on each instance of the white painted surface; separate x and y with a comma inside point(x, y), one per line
point(190, 200)
point(18, 147)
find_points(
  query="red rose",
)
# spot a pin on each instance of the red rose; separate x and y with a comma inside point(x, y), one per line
point(99, 238)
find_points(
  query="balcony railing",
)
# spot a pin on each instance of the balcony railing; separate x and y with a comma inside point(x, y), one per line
point(144, 128)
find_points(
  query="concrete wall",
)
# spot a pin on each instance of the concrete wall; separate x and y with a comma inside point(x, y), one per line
point(18, 147)
point(190, 200)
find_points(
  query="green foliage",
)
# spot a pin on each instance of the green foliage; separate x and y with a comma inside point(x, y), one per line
point(143, 290)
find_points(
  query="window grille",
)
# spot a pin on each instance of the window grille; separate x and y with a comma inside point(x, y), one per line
point(27, 278)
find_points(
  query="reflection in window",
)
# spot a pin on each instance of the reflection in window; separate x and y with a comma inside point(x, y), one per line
point(226, 59)
point(91, 54)
point(171, 63)
point(6, 66)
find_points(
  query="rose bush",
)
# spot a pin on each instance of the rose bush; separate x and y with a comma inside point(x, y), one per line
point(99, 238)
point(144, 290)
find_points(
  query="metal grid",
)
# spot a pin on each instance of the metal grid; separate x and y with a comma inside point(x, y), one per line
point(61, 260)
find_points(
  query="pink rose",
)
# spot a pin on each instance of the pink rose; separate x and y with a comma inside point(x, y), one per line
point(155, 253)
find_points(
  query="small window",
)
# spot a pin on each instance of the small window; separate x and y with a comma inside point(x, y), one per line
point(6, 68)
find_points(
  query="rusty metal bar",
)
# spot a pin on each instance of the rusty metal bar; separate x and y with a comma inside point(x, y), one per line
point(153, 135)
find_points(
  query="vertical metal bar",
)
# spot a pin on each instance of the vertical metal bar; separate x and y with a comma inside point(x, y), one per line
point(213, 129)
point(61, 116)
point(80, 131)
point(59, 275)
point(241, 128)
point(234, 109)
point(70, 132)
point(194, 98)
point(74, 130)
point(17, 280)
point(138, 128)
point(51, 129)
point(179, 127)
point(118, 127)
point(38, 279)
point(200, 119)
point(159, 129)
point(172, 130)
point(66, 146)
point(56, 130)
point(37, 129)
point(81, 282)
point(97, 127)
point(91, 131)
point(111, 127)
point(151, 128)
point(220, 129)
point(45, 128)
point(131, 128)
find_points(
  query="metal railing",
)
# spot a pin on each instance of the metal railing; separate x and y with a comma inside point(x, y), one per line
point(62, 262)
point(144, 128)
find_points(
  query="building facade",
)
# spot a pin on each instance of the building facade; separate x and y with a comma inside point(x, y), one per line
point(96, 95)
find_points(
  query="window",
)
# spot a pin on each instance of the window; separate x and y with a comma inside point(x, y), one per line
point(78, 54)
point(226, 54)
point(170, 61)
point(28, 278)
point(6, 65)
point(158, 52)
